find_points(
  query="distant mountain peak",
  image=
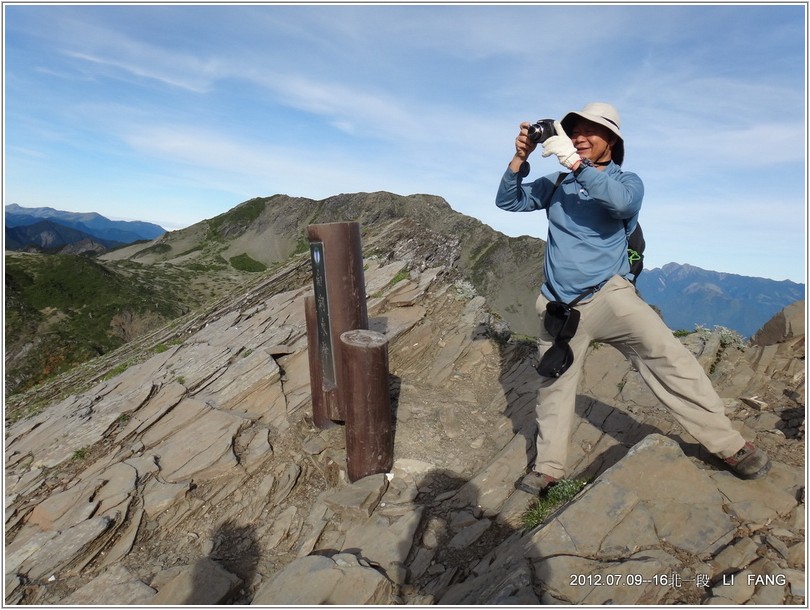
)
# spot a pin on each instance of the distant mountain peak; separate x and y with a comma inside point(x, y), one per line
point(689, 296)
point(92, 224)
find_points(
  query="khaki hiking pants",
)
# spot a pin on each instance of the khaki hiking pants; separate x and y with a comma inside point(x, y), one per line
point(618, 316)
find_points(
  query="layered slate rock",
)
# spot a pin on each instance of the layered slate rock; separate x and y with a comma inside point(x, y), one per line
point(195, 476)
point(623, 539)
point(314, 580)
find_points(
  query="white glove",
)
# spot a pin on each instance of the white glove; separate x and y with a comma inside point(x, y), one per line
point(562, 146)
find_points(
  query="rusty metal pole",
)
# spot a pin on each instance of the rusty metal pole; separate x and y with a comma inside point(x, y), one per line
point(320, 398)
point(340, 301)
point(369, 428)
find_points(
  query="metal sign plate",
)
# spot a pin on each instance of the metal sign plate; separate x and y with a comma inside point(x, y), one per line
point(322, 310)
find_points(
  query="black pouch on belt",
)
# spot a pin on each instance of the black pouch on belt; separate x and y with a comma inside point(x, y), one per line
point(561, 322)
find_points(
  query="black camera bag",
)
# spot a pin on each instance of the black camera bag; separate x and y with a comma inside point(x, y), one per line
point(561, 322)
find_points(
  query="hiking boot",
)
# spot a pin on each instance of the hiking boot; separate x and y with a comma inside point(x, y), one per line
point(749, 462)
point(536, 483)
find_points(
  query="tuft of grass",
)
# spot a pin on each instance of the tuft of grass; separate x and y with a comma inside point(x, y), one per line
point(402, 275)
point(80, 454)
point(117, 370)
point(557, 495)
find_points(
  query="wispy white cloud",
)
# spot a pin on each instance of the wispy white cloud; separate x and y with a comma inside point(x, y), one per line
point(96, 45)
point(147, 69)
point(234, 101)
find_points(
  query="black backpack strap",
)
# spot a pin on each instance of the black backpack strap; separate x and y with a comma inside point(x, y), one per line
point(589, 291)
point(553, 292)
point(635, 250)
point(576, 301)
point(557, 184)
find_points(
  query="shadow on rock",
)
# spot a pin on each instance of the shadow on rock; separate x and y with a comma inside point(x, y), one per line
point(602, 434)
point(226, 575)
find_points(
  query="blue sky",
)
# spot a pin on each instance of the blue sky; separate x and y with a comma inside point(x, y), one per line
point(176, 113)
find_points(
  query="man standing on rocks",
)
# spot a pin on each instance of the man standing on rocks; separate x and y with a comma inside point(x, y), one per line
point(591, 212)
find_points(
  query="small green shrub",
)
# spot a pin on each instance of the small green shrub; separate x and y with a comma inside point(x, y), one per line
point(728, 336)
point(301, 246)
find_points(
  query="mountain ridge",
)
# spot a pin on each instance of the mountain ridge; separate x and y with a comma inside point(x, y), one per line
point(269, 229)
point(506, 270)
point(209, 259)
point(91, 223)
point(689, 296)
point(47, 235)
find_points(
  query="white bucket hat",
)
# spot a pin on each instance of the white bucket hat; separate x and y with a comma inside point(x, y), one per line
point(603, 114)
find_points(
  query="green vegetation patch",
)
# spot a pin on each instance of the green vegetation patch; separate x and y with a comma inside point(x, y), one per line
point(117, 370)
point(402, 275)
point(236, 220)
point(557, 495)
point(301, 246)
point(156, 249)
point(481, 260)
point(60, 311)
point(243, 262)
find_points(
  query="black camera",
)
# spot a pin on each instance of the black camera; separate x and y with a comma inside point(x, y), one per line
point(542, 130)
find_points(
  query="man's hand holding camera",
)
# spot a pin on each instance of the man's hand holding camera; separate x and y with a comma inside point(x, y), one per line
point(524, 146)
point(562, 146)
point(553, 138)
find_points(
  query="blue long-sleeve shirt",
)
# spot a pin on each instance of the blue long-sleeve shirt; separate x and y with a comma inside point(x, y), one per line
point(589, 219)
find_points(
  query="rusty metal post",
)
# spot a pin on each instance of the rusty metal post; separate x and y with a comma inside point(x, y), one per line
point(320, 397)
point(369, 428)
point(340, 301)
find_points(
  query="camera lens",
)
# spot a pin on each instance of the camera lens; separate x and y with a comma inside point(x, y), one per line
point(542, 130)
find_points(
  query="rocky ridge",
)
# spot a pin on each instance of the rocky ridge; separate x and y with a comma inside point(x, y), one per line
point(505, 270)
point(195, 476)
